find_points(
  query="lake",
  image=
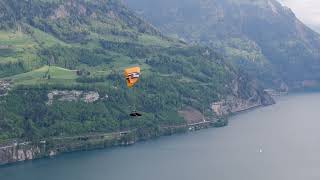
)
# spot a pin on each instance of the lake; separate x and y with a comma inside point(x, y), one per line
point(279, 142)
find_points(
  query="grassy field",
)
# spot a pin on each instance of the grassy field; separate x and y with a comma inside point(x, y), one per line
point(16, 39)
point(45, 39)
point(57, 75)
point(13, 45)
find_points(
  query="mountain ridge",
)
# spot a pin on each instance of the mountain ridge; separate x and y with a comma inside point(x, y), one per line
point(262, 37)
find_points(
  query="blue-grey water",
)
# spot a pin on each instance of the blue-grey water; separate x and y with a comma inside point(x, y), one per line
point(279, 142)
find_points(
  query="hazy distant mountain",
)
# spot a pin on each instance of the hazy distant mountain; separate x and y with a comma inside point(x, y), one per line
point(307, 11)
point(317, 28)
point(261, 36)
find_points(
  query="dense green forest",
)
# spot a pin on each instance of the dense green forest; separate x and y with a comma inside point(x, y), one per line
point(83, 46)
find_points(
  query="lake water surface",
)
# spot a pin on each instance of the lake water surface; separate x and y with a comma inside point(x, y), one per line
point(279, 142)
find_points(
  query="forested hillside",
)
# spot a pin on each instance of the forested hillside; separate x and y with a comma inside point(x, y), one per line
point(61, 66)
point(261, 37)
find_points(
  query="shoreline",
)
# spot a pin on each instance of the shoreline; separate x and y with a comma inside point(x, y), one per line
point(29, 151)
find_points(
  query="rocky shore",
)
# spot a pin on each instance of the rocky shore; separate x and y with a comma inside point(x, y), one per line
point(14, 151)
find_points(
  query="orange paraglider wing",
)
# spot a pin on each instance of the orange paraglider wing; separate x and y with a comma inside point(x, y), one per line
point(132, 76)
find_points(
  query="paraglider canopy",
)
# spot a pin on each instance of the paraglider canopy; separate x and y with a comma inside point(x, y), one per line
point(132, 76)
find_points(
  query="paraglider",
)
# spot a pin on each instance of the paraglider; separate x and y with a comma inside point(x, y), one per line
point(132, 76)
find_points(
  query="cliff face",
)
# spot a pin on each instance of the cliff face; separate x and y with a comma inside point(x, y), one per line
point(69, 96)
point(233, 104)
point(241, 100)
point(5, 86)
point(15, 152)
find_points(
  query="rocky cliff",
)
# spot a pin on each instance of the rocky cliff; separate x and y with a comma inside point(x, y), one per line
point(14, 151)
point(239, 100)
point(232, 104)
point(5, 86)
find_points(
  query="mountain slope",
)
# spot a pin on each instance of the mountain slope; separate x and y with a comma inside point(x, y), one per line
point(63, 61)
point(263, 37)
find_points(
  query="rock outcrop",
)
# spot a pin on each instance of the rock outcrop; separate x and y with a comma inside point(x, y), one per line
point(233, 104)
point(4, 87)
point(241, 99)
point(16, 152)
point(88, 97)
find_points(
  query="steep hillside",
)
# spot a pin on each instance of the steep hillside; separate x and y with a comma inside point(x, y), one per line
point(61, 68)
point(262, 36)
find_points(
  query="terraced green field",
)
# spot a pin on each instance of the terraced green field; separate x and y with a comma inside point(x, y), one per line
point(45, 74)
